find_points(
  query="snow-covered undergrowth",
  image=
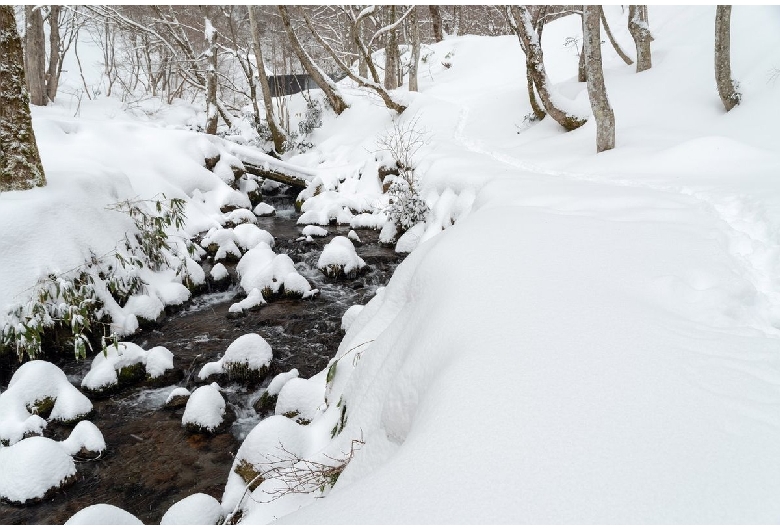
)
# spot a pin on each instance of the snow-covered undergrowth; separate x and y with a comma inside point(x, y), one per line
point(594, 341)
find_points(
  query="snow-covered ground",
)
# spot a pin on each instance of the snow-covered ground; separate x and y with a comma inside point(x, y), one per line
point(574, 338)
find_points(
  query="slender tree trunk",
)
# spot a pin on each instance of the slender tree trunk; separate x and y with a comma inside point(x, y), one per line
point(727, 89)
point(212, 114)
point(438, 36)
point(391, 53)
point(53, 75)
point(328, 87)
point(582, 74)
point(639, 28)
point(277, 134)
point(20, 162)
point(414, 30)
point(35, 55)
point(618, 49)
point(531, 44)
point(456, 18)
point(597, 91)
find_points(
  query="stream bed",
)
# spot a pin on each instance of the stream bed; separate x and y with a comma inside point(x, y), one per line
point(151, 461)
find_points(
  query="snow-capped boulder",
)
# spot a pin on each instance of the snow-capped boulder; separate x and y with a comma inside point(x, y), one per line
point(248, 236)
point(177, 398)
point(221, 243)
point(301, 399)
point(85, 440)
point(246, 359)
point(238, 217)
point(339, 259)
point(411, 238)
point(273, 275)
point(205, 410)
point(267, 400)
point(314, 231)
point(197, 509)
point(33, 469)
point(103, 514)
point(352, 236)
point(126, 364)
point(264, 210)
point(36, 391)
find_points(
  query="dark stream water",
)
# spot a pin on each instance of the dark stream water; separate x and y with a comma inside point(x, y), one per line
point(151, 461)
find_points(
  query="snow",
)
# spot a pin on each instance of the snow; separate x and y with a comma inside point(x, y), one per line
point(205, 408)
point(197, 509)
point(350, 315)
point(34, 382)
point(158, 360)
point(239, 216)
point(248, 236)
point(276, 384)
point(103, 514)
point(302, 397)
point(340, 253)
point(352, 236)
point(32, 467)
point(85, 435)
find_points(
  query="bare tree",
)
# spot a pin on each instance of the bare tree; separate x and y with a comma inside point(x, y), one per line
point(615, 45)
point(597, 91)
point(363, 82)
point(321, 78)
point(435, 11)
point(391, 51)
point(35, 54)
point(522, 22)
point(639, 28)
point(727, 88)
point(277, 134)
point(414, 31)
point(20, 162)
point(212, 115)
point(55, 59)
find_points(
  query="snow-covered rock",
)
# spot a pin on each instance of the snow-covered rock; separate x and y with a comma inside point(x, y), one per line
point(205, 410)
point(239, 216)
point(85, 440)
point(219, 272)
point(126, 363)
point(314, 231)
point(177, 398)
point(410, 239)
point(248, 236)
point(197, 509)
point(103, 514)
point(267, 400)
point(246, 359)
point(352, 235)
point(273, 274)
point(264, 210)
point(301, 399)
point(34, 468)
point(38, 389)
point(339, 259)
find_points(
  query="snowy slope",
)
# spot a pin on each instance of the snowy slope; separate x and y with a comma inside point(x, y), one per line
point(596, 342)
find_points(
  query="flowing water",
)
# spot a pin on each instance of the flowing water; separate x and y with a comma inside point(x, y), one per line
point(151, 461)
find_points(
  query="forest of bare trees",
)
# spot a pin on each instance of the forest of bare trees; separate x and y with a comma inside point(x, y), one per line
point(228, 56)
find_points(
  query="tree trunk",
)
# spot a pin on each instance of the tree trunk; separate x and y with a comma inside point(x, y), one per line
point(277, 134)
point(438, 36)
point(212, 114)
point(456, 16)
point(618, 49)
point(582, 74)
point(414, 30)
point(727, 89)
point(529, 39)
point(597, 91)
point(35, 55)
point(20, 163)
point(639, 28)
point(53, 75)
point(391, 52)
point(328, 87)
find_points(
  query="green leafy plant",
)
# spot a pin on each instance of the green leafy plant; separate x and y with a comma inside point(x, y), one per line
point(74, 301)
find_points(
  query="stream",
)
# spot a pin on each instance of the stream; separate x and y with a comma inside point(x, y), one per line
point(151, 461)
